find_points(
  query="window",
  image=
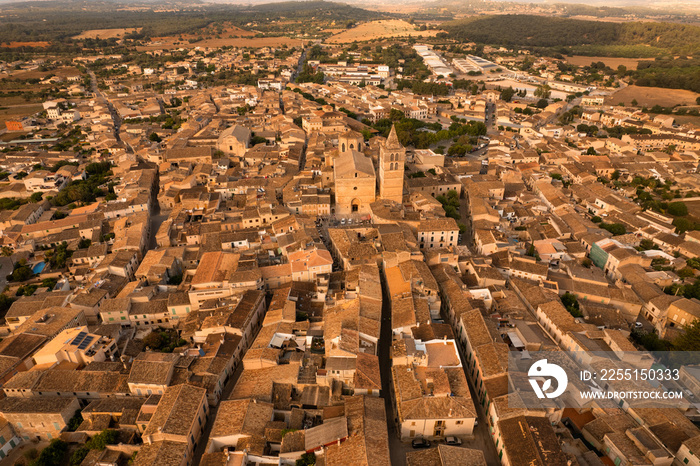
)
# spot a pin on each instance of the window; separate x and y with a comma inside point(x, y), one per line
point(55, 426)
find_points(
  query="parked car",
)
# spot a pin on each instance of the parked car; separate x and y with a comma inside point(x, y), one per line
point(638, 325)
point(453, 441)
point(420, 443)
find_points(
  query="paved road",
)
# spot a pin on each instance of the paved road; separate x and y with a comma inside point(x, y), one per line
point(466, 221)
point(100, 97)
point(300, 65)
point(491, 127)
point(157, 218)
point(204, 439)
point(396, 448)
point(482, 437)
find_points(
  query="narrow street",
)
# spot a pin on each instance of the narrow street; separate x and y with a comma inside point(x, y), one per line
point(157, 218)
point(482, 437)
point(103, 99)
point(211, 416)
point(397, 449)
point(465, 238)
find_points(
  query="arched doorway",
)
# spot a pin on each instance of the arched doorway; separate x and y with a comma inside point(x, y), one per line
point(355, 205)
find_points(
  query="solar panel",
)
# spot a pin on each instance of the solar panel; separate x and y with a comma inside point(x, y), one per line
point(79, 338)
point(85, 343)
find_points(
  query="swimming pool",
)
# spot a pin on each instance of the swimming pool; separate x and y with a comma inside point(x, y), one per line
point(39, 267)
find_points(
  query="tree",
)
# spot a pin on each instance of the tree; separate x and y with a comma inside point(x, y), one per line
point(683, 224)
point(5, 303)
point(571, 304)
point(677, 209)
point(616, 229)
point(154, 137)
point(75, 421)
point(507, 94)
point(650, 341)
point(531, 251)
point(98, 442)
point(21, 272)
point(647, 244)
point(307, 459)
point(690, 340)
point(31, 454)
point(257, 140)
point(542, 103)
point(396, 115)
point(58, 257)
point(53, 455)
point(543, 91)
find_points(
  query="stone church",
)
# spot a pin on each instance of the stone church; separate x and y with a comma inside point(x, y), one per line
point(392, 157)
point(356, 183)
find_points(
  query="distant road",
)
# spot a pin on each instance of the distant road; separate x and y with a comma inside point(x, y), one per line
point(112, 111)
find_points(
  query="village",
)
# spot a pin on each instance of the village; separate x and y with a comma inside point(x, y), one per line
point(324, 265)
